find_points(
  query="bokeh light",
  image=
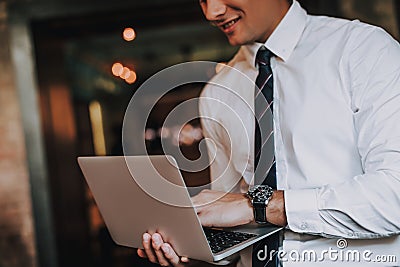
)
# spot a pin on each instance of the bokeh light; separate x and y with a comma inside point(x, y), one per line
point(131, 78)
point(129, 34)
point(117, 69)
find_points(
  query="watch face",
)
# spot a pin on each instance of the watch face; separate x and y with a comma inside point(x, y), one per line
point(260, 192)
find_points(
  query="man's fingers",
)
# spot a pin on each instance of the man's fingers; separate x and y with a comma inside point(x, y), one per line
point(170, 254)
point(141, 253)
point(159, 252)
point(148, 248)
point(157, 242)
point(185, 259)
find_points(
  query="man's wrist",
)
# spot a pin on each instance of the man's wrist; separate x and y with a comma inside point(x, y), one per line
point(275, 210)
point(259, 196)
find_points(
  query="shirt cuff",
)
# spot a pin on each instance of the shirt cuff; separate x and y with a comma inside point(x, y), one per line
point(302, 211)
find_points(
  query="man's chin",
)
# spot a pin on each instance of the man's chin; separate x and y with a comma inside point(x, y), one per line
point(234, 41)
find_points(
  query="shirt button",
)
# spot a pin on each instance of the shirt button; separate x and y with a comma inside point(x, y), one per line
point(303, 226)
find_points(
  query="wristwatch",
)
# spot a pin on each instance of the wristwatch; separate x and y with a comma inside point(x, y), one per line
point(259, 196)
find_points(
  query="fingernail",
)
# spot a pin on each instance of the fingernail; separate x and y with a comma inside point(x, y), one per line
point(165, 249)
point(156, 240)
point(146, 237)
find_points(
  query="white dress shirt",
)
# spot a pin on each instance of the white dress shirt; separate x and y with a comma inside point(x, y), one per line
point(336, 128)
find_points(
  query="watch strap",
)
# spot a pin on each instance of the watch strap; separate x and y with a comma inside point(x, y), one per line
point(259, 209)
point(260, 196)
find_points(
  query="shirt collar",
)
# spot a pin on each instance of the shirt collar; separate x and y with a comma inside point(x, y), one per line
point(286, 35)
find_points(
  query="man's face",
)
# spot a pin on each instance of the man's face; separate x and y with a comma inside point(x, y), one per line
point(245, 21)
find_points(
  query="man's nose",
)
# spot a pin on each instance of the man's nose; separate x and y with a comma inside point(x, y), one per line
point(215, 9)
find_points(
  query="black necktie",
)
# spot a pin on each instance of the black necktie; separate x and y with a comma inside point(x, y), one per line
point(263, 145)
point(265, 173)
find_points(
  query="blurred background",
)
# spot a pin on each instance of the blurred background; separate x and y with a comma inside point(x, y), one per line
point(67, 72)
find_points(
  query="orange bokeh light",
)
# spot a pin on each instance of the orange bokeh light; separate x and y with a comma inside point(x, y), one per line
point(132, 77)
point(117, 69)
point(125, 73)
point(129, 34)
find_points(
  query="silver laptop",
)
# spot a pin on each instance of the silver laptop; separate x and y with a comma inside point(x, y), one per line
point(138, 194)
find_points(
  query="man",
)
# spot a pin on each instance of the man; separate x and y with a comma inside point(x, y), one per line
point(336, 110)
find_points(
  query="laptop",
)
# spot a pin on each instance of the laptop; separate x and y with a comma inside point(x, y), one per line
point(138, 194)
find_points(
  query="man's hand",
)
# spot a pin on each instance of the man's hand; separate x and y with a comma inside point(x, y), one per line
point(220, 209)
point(215, 209)
point(159, 252)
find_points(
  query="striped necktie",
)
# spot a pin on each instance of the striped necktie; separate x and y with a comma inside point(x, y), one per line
point(264, 138)
point(264, 141)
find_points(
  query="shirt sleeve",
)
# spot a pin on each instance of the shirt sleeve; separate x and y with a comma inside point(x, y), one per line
point(367, 205)
point(223, 174)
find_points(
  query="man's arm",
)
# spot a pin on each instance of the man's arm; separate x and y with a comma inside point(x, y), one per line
point(219, 209)
point(214, 208)
point(367, 205)
point(225, 133)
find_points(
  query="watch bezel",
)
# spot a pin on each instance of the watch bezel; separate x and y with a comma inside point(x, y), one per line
point(260, 192)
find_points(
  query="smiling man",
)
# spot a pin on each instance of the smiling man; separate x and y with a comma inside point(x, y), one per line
point(333, 86)
point(245, 22)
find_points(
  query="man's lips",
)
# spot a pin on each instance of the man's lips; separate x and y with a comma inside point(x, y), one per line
point(226, 24)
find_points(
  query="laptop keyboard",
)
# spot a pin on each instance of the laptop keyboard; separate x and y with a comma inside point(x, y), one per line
point(220, 240)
